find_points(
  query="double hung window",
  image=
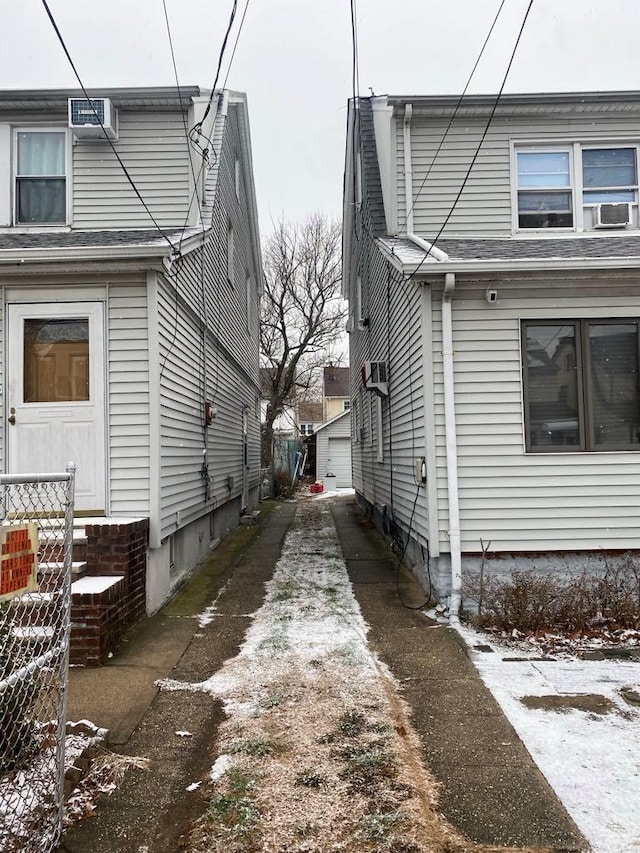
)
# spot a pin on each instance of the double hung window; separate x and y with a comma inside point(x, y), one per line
point(581, 388)
point(545, 197)
point(609, 175)
point(561, 187)
point(40, 177)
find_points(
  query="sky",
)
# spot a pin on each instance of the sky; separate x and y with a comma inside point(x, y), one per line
point(293, 60)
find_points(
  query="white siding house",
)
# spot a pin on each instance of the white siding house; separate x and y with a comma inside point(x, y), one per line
point(157, 401)
point(508, 323)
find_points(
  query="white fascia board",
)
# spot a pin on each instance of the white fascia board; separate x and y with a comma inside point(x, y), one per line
point(542, 265)
point(333, 420)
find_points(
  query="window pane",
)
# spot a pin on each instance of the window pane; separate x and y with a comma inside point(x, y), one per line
point(56, 361)
point(535, 201)
point(41, 153)
point(551, 386)
point(543, 169)
point(609, 196)
point(609, 167)
point(615, 405)
point(41, 200)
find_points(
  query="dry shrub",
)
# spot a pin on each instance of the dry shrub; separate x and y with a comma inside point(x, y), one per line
point(528, 601)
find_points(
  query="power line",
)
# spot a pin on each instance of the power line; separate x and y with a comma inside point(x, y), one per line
point(113, 148)
point(235, 45)
point(479, 146)
point(453, 116)
point(198, 127)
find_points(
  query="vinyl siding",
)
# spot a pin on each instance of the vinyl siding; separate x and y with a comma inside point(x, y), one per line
point(535, 501)
point(393, 308)
point(207, 300)
point(128, 398)
point(152, 146)
point(485, 205)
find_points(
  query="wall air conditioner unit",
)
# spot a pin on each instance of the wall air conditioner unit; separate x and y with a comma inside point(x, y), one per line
point(375, 377)
point(87, 118)
point(613, 215)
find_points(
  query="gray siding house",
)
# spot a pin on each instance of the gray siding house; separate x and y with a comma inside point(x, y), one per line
point(130, 329)
point(495, 328)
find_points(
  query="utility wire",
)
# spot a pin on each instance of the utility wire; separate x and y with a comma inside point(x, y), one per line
point(203, 318)
point(113, 148)
point(235, 45)
point(453, 116)
point(198, 127)
point(479, 146)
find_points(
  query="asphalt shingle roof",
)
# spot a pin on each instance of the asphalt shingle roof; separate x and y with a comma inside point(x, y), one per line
point(91, 239)
point(514, 249)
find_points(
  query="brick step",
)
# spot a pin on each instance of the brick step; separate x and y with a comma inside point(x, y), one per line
point(98, 620)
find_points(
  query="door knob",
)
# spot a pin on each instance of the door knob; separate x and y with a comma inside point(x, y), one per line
point(12, 417)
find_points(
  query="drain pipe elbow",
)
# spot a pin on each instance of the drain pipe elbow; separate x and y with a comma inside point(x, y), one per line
point(451, 449)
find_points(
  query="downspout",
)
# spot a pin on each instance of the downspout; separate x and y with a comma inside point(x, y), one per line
point(427, 247)
point(451, 451)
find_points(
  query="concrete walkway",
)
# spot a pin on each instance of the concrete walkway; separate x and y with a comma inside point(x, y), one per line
point(491, 790)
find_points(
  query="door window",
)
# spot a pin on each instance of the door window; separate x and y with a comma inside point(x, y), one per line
point(56, 360)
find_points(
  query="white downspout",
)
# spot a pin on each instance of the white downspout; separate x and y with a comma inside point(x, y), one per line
point(455, 600)
point(436, 253)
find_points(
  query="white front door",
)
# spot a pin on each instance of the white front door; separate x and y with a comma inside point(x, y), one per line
point(55, 401)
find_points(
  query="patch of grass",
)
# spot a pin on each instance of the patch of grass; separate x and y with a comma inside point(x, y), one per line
point(351, 724)
point(277, 642)
point(235, 811)
point(350, 653)
point(256, 747)
point(378, 826)
point(273, 700)
point(284, 593)
point(367, 765)
point(310, 779)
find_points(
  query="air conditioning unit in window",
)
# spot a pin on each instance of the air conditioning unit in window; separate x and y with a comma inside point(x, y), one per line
point(375, 377)
point(612, 215)
point(93, 119)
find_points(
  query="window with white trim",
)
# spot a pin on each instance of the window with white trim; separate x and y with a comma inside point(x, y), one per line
point(565, 186)
point(545, 196)
point(306, 429)
point(581, 384)
point(40, 177)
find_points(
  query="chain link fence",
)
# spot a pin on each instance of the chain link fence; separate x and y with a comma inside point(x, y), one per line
point(36, 540)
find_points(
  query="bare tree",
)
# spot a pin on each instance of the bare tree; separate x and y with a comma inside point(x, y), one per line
point(302, 313)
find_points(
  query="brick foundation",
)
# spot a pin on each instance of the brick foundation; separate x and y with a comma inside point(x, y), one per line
point(99, 620)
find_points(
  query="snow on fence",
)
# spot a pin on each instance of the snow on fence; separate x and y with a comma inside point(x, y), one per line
point(36, 540)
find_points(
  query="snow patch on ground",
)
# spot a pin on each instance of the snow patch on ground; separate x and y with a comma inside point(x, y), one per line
point(591, 760)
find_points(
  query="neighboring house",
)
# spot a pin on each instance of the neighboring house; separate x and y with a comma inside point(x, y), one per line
point(131, 347)
point(336, 396)
point(333, 449)
point(309, 417)
point(495, 375)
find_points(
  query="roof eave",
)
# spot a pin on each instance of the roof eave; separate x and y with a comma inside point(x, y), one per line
point(525, 265)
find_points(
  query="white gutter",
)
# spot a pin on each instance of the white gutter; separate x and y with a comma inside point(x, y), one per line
point(451, 451)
